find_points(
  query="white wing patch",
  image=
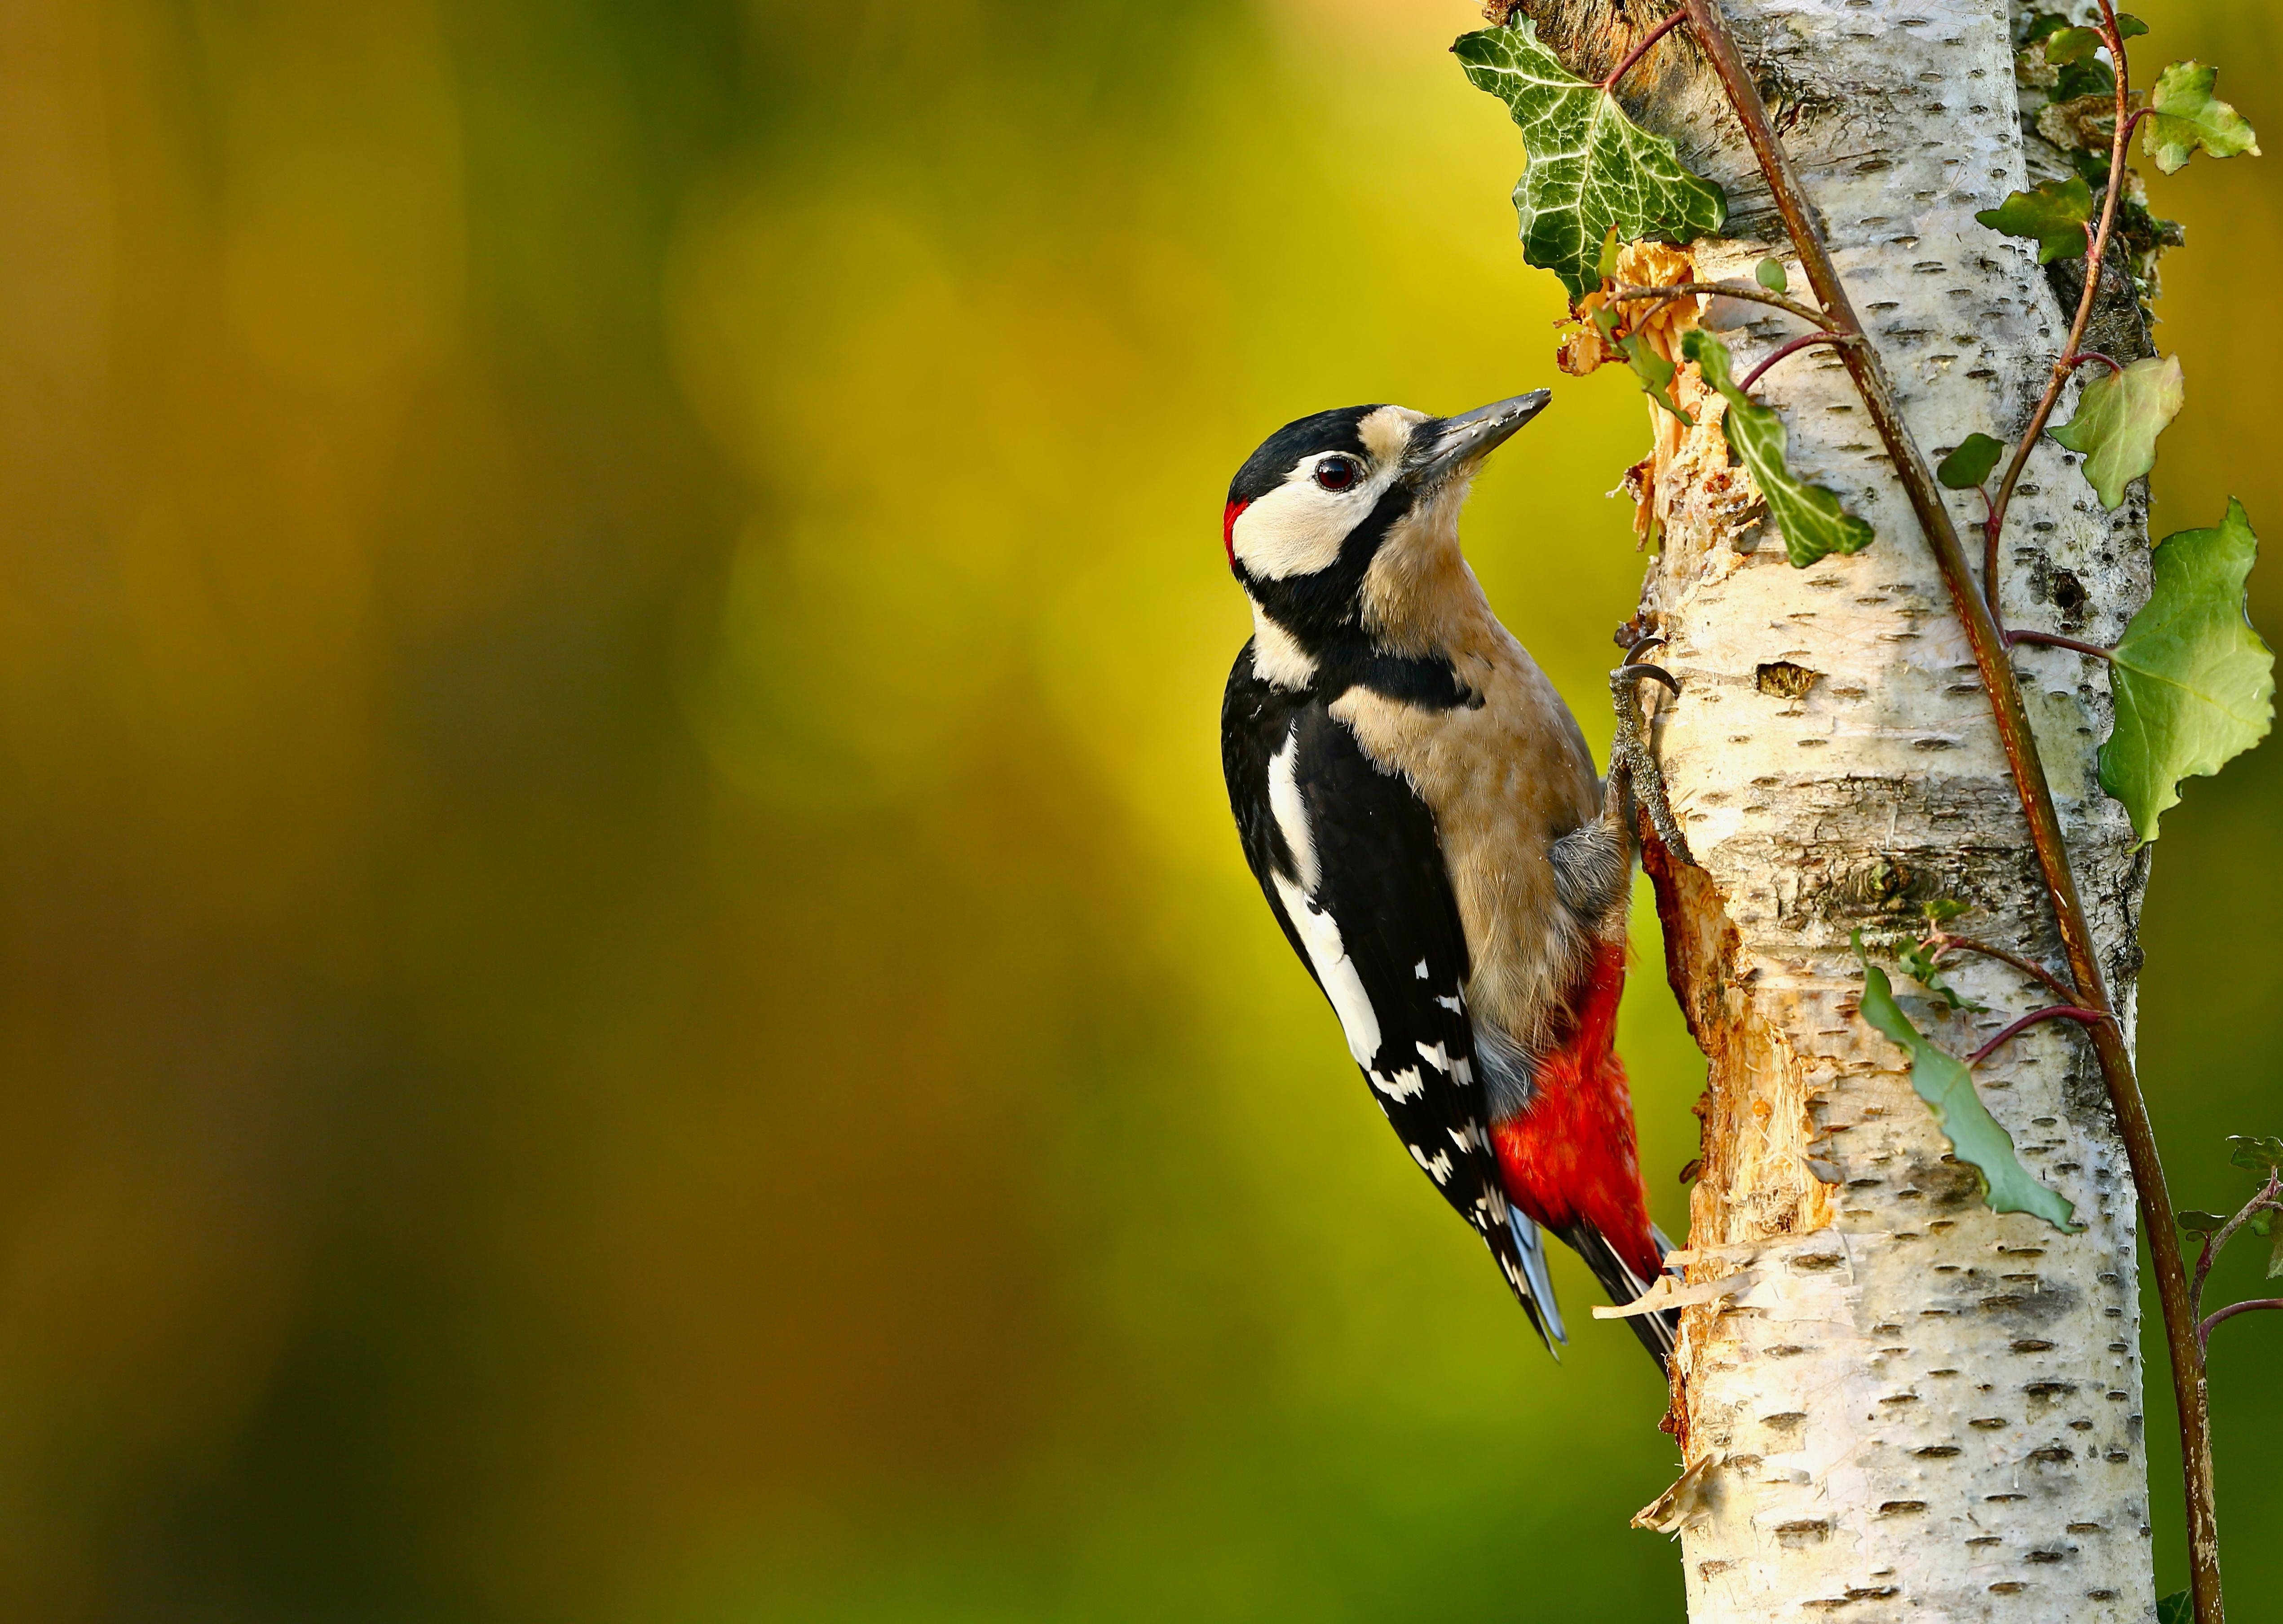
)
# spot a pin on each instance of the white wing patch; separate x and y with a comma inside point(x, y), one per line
point(1455, 1006)
point(1438, 1057)
point(1420, 969)
point(1319, 934)
point(1291, 812)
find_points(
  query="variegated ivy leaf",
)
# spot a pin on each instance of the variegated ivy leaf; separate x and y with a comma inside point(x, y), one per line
point(1813, 522)
point(2053, 217)
point(1590, 167)
point(1943, 1081)
point(2184, 115)
point(2194, 686)
point(2119, 415)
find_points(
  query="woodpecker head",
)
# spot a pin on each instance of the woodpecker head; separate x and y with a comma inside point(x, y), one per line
point(1340, 516)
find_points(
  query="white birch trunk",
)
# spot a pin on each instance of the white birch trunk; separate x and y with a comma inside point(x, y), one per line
point(1912, 1407)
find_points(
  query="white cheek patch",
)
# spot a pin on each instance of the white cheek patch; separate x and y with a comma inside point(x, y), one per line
point(1296, 529)
point(1299, 527)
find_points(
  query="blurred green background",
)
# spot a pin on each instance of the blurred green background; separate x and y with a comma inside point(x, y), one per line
point(626, 995)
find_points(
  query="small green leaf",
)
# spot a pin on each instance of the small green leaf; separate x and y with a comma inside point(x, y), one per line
point(2053, 217)
point(2118, 417)
point(1813, 522)
point(1655, 372)
point(2194, 684)
point(2259, 1155)
point(1942, 910)
point(2177, 1608)
point(2069, 45)
point(1590, 167)
point(2048, 25)
point(2275, 1257)
point(1919, 965)
point(1943, 1081)
point(1969, 465)
point(2198, 1223)
point(1770, 275)
point(2261, 1222)
point(1607, 263)
point(2129, 26)
point(2184, 115)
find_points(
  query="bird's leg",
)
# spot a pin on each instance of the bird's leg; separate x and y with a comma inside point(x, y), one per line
point(1633, 772)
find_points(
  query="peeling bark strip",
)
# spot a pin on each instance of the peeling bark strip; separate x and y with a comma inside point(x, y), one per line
point(1916, 1405)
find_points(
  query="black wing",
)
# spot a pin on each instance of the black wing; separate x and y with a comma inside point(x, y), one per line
point(1350, 864)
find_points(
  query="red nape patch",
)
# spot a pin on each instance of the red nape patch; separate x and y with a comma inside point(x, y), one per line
point(1229, 517)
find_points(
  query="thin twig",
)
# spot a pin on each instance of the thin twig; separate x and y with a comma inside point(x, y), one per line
point(1805, 341)
point(2191, 1399)
point(2220, 1236)
point(2068, 994)
point(2018, 635)
point(2056, 1012)
point(1750, 291)
point(1641, 49)
point(2204, 1326)
point(2095, 268)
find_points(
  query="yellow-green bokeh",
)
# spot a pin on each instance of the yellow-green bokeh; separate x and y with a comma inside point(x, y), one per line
point(626, 995)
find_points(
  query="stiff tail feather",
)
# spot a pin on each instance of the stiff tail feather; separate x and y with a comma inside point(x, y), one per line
point(1656, 1331)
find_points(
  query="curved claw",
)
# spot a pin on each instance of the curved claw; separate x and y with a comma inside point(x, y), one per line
point(1642, 645)
point(1653, 673)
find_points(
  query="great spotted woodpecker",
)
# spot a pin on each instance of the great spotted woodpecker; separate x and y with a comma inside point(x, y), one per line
point(1423, 816)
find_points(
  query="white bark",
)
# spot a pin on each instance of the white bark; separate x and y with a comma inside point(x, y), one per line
point(1913, 1407)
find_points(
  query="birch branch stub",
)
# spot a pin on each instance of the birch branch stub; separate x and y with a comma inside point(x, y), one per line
point(1918, 1408)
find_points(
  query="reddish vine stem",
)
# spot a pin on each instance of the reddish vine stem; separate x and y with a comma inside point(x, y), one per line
point(2096, 264)
point(1747, 291)
point(2029, 967)
point(2204, 1329)
point(2055, 640)
point(2081, 356)
point(2057, 1012)
point(1641, 49)
point(2013, 724)
point(1805, 341)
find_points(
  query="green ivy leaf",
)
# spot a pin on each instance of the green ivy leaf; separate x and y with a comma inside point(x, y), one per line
point(1969, 465)
point(1813, 522)
point(2194, 685)
point(2129, 26)
point(2053, 217)
point(2068, 46)
point(1770, 275)
point(1919, 965)
point(1943, 1081)
point(2275, 1258)
point(2177, 1608)
point(1590, 167)
point(2259, 1155)
point(1942, 910)
point(2185, 115)
point(2119, 415)
point(2198, 1223)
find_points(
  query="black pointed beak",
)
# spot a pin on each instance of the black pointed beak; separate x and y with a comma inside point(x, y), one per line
point(1446, 444)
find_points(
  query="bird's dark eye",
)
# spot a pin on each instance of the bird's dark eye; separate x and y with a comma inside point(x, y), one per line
point(1336, 473)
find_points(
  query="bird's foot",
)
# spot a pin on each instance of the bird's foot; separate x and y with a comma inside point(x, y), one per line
point(1629, 753)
